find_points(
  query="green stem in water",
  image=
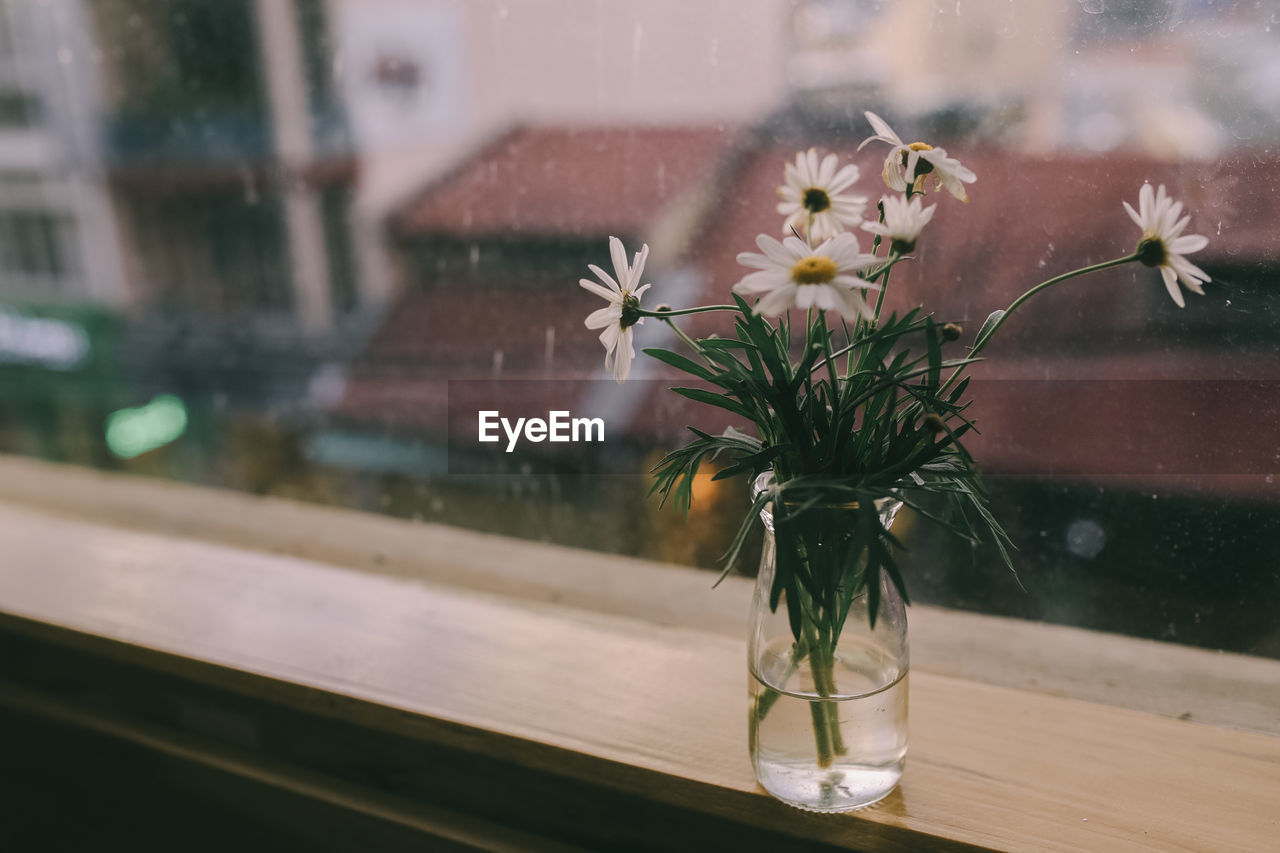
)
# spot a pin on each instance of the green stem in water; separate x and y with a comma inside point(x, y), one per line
point(822, 664)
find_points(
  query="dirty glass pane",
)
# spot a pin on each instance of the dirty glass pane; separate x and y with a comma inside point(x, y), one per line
point(281, 246)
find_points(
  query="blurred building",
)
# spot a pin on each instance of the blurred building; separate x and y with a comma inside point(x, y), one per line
point(1146, 77)
point(184, 168)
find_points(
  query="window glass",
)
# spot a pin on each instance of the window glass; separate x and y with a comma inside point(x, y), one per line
point(284, 237)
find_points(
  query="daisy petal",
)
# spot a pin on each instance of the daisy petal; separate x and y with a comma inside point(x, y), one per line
point(778, 301)
point(882, 129)
point(600, 290)
point(759, 282)
point(1187, 244)
point(619, 254)
point(1171, 285)
point(604, 276)
point(598, 319)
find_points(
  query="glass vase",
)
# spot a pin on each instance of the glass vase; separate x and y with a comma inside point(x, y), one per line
point(827, 720)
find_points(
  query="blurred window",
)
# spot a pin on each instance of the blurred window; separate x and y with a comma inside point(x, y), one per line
point(304, 218)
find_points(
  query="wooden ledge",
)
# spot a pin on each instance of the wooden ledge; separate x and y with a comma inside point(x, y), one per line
point(1223, 689)
point(620, 705)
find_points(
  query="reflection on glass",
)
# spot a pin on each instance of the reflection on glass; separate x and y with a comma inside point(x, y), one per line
point(298, 220)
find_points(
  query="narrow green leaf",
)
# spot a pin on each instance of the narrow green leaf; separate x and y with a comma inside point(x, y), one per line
point(681, 363)
point(701, 395)
point(989, 324)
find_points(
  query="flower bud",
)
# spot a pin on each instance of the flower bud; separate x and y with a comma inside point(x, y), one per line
point(933, 422)
point(952, 331)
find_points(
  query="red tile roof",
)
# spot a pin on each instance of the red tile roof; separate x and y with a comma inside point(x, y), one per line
point(567, 181)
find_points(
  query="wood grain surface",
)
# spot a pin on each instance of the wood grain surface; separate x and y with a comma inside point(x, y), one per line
point(658, 710)
point(1231, 690)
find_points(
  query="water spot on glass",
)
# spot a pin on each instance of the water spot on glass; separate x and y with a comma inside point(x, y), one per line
point(1085, 538)
point(1092, 7)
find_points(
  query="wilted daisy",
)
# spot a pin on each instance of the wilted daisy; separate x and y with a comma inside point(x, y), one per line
point(814, 193)
point(792, 274)
point(903, 222)
point(911, 164)
point(622, 312)
point(1161, 246)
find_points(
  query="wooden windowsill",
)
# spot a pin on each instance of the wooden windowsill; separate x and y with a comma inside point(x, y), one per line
point(619, 702)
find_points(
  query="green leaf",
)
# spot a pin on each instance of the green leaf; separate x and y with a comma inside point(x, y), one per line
point(681, 363)
point(757, 461)
point(735, 548)
point(701, 395)
point(989, 324)
point(726, 343)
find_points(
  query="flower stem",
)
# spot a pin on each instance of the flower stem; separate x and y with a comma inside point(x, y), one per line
point(986, 335)
point(825, 336)
point(702, 309)
point(1044, 285)
point(821, 732)
point(822, 664)
point(692, 344)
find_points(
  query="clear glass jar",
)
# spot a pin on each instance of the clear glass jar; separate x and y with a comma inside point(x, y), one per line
point(827, 722)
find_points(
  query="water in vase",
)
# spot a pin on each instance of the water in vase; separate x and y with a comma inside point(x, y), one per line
point(867, 746)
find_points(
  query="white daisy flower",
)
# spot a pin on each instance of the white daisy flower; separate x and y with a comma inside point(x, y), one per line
point(1161, 246)
point(620, 314)
point(815, 193)
point(792, 274)
point(911, 164)
point(903, 222)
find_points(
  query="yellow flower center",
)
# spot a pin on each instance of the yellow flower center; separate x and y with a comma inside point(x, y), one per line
point(815, 269)
point(920, 146)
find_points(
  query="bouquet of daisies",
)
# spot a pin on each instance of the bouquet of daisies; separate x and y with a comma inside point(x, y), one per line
point(847, 406)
